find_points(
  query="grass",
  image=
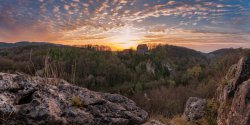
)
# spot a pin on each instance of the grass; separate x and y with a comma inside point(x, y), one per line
point(177, 120)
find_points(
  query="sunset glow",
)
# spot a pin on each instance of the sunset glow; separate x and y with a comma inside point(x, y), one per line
point(125, 38)
point(203, 25)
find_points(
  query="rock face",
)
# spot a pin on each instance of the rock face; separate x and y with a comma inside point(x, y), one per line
point(234, 95)
point(42, 101)
point(194, 109)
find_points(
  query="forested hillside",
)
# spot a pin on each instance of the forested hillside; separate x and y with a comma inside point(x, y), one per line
point(164, 77)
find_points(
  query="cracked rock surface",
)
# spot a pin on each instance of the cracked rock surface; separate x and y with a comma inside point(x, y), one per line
point(194, 109)
point(234, 95)
point(42, 101)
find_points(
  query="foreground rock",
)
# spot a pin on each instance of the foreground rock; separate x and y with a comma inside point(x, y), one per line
point(234, 95)
point(194, 109)
point(40, 101)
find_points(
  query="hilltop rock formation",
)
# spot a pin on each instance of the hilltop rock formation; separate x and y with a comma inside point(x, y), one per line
point(42, 101)
point(142, 49)
point(234, 95)
point(194, 109)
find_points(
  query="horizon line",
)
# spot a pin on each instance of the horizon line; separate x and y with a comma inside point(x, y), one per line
point(119, 50)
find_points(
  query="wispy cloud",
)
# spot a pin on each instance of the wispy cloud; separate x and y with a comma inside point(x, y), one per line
point(150, 21)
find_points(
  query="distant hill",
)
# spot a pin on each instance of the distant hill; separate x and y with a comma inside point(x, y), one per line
point(22, 43)
point(226, 51)
point(231, 52)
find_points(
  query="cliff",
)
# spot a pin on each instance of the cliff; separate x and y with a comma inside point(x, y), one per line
point(234, 95)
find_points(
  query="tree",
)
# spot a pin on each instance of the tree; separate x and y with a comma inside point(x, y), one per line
point(194, 72)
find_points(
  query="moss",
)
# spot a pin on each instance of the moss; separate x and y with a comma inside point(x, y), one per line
point(76, 102)
point(230, 74)
point(224, 82)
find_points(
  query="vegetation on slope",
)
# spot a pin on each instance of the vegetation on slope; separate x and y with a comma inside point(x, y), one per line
point(160, 81)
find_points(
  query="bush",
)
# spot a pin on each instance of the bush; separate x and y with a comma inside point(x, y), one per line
point(211, 112)
point(6, 64)
point(170, 101)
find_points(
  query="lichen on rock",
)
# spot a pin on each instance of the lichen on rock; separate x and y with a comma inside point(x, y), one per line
point(194, 109)
point(41, 101)
point(234, 96)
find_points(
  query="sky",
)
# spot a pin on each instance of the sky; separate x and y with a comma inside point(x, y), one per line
point(203, 25)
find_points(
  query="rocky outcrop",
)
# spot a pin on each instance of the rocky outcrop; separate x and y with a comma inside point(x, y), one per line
point(162, 68)
point(44, 101)
point(234, 95)
point(194, 109)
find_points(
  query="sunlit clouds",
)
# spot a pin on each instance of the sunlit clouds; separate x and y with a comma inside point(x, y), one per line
point(200, 24)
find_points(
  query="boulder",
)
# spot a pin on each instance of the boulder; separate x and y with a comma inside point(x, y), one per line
point(194, 109)
point(234, 95)
point(45, 101)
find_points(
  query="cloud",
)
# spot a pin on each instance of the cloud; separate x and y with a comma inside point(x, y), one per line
point(79, 38)
point(205, 41)
point(98, 20)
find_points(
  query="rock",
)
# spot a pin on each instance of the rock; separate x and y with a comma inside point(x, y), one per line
point(142, 49)
point(150, 67)
point(44, 101)
point(194, 109)
point(234, 95)
point(153, 68)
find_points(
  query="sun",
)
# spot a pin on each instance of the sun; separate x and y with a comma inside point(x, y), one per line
point(126, 38)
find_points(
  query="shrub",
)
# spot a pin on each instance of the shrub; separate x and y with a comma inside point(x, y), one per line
point(211, 112)
point(6, 64)
point(170, 101)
